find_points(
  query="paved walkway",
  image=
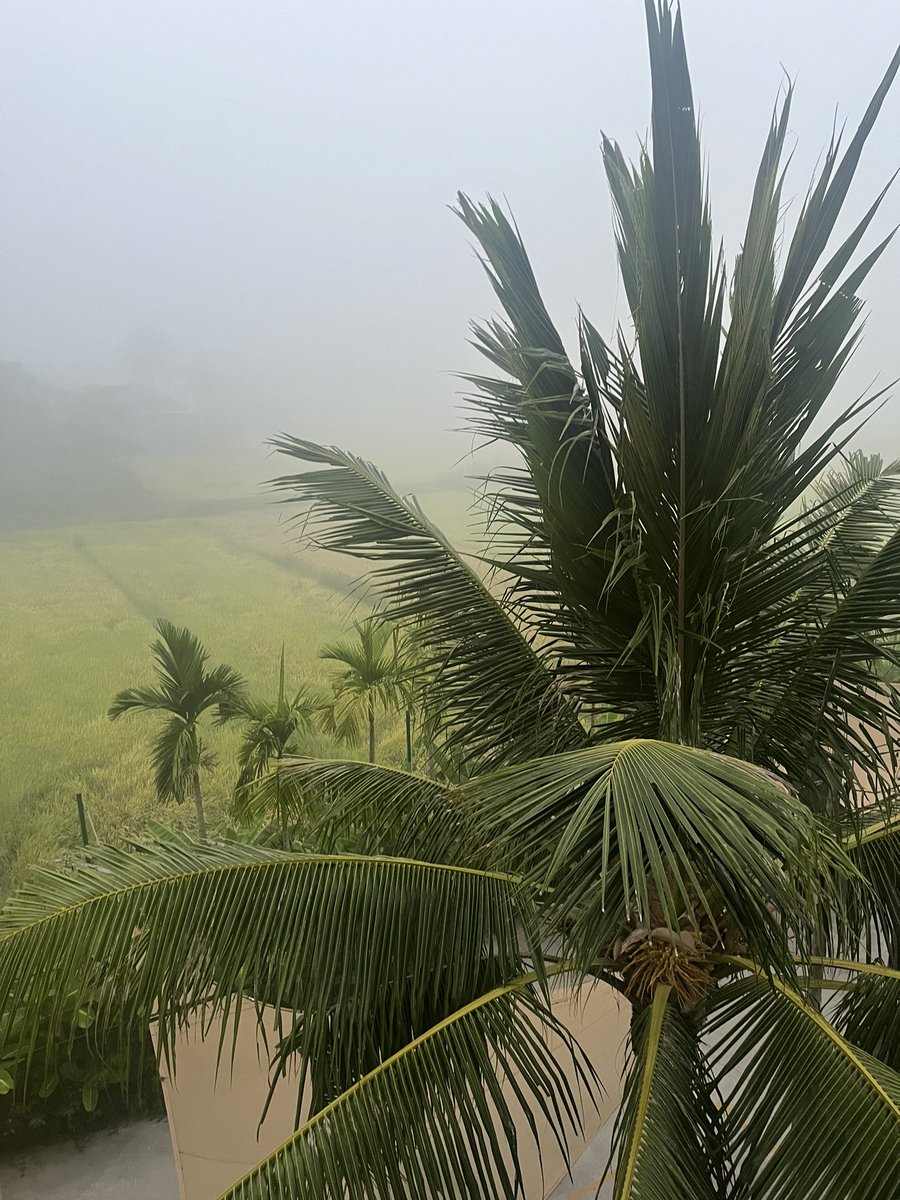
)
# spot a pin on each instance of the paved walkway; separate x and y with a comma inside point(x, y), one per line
point(132, 1163)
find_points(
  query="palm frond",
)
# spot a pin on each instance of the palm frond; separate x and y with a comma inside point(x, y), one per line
point(669, 1136)
point(863, 497)
point(661, 835)
point(871, 907)
point(144, 698)
point(180, 656)
point(176, 758)
point(181, 661)
point(345, 717)
point(867, 1013)
point(847, 636)
point(433, 1119)
point(823, 207)
point(557, 528)
point(811, 1114)
point(379, 810)
point(497, 697)
point(172, 926)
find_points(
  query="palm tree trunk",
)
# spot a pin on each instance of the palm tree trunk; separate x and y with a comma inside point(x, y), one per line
point(371, 732)
point(198, 806)
point(279, 808)
point(408, 740)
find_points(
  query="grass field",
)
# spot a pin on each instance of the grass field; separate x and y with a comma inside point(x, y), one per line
point(76, 608)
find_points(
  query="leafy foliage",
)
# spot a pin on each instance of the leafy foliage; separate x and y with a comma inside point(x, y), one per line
point(867, 1013)
point(94, 1089)
point(380, 810)
point(497, 698)
point(372, 677)
point(272, 731)
point(173, 926)
point(432, 1119)
point(663, 835)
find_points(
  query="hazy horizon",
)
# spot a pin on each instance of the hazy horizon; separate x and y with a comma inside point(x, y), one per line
point(254, 198)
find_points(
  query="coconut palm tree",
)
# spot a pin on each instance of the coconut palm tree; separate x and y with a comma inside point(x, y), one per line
point(372, 678)
point(272, 731)
point(184, 691)
point(677, 750)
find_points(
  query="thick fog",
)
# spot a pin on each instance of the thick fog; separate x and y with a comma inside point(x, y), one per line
point(237, 212)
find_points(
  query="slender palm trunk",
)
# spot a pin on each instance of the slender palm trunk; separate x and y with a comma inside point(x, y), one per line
point(371, 731)
point(198, 806)
point(279, 807)
point(409, 740)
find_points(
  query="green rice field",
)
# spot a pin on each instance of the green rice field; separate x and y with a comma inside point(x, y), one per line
point(76, 608)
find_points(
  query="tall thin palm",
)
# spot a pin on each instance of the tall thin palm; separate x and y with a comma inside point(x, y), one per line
point(372, 679)
point(184, 691)
point(273, 730)
point(677, 757)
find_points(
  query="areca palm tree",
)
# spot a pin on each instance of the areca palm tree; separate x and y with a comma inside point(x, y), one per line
point(184, 691)
point(372, 678)
point(272, 731)
point(677, 748)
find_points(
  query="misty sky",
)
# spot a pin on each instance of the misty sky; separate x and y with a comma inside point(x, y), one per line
point(260, 188)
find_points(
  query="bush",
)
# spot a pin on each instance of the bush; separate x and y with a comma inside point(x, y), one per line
point(87, 1094)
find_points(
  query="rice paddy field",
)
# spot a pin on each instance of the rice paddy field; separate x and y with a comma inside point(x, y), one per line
point(77, 603)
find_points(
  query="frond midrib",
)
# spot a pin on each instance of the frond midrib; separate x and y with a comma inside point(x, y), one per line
point(660, 999)
point(840, 1044)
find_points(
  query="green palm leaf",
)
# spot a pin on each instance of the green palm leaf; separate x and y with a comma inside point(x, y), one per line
point(176, 754)
point(185, 690)
point(873, 911)
point(661, 834)
point(497, 696)
point(184, 685)
point(670, 1136)
point(812, 1115)
point(862, 497)
point(175, 925)
point(432, 1120)
point(867, 1013)
point(381, 810)
point(828, 679)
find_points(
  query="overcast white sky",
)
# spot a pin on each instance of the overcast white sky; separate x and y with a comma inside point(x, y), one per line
point(263, 184)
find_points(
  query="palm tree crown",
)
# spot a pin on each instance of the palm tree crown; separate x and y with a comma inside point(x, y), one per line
point(372, 677)
point(184, 691)
point(662, 678)
point(272, 731)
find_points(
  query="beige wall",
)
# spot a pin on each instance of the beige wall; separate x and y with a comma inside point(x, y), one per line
point(213, 1122)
